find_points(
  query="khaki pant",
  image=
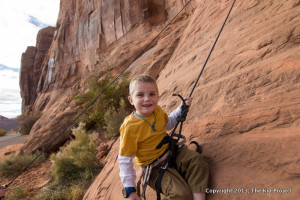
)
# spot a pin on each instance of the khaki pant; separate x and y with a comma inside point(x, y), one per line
point(190, 176)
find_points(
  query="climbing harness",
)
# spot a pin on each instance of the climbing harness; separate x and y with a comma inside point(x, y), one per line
point(162, 161)
point(174, 144)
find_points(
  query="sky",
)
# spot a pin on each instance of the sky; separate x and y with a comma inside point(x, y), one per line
point(20, 21)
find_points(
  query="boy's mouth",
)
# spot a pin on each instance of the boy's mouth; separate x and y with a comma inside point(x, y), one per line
point(147, 105)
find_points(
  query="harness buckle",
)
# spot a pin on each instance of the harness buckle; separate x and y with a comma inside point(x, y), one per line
point(164, 166)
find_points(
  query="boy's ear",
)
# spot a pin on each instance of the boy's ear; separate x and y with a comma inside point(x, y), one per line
point(130, 100)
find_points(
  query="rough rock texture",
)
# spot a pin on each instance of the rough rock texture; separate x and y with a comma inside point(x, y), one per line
point(31, 67)
point(84, 42)
point(245, 111)
point(246, 106)
point(8, 124)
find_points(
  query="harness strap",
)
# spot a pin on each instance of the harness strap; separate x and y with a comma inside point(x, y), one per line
point(168, 139)
point(146, 173)
point(138, 189)
point(158, 181)
point(198, 147)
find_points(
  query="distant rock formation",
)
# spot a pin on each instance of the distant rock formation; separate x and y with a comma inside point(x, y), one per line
point(31, 67)
point(8, 124)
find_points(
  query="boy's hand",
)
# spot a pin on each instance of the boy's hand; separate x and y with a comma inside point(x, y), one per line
point(188, 101)
point(133, 196)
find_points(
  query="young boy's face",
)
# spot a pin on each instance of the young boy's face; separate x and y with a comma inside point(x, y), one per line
point(144, 98)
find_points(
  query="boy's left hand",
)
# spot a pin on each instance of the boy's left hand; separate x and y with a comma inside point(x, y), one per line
point(188, 101)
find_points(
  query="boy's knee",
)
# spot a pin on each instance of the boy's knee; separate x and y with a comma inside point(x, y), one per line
point(180, 194)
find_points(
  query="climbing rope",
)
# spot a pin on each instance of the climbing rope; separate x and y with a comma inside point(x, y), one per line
point(212, 49)
point(98, 96)
point(185, 108)
point(170, 139)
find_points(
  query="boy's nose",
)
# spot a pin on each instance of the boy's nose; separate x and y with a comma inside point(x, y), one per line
point(147, 97)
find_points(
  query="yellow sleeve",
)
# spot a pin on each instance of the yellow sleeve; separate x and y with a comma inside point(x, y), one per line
point(128, 141)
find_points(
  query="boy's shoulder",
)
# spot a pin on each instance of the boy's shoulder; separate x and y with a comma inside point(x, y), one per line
point(158, 109)
point(127, 119)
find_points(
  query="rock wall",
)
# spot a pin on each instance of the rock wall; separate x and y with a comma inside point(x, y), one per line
point(245, 108)
point(89, 35)
point(31, 67)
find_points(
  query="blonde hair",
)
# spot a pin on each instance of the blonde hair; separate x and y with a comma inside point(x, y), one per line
point(143, 78)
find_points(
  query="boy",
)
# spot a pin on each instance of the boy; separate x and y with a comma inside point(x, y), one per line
point(142, 131)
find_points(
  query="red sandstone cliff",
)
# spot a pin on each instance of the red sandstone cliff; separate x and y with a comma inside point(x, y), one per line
point(246, 106)
point(31, 67)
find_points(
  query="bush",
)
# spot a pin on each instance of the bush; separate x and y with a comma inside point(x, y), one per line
point(13, 165)
point(26, 122)
point(2, 132)
point(73, 168)
point(76, 192)
point(17, 193)
point(109, 102)
point(52, 192)
point(114, 118)
point(77, 160)
point(60, 192)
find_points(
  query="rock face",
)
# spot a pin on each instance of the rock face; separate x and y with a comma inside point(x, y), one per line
point(31, 67)
point(87, 36)
point(245, 108)
point(8, 124)
point(245, 111)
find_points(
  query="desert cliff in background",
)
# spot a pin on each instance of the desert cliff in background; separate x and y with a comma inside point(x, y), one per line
point(246, 106)
point(8, 124)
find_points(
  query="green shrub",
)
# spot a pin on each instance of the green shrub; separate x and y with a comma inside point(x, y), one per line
point(2, 132)
point(56, 191)
point(52, 192)
point(73, 168)
point(94, 117)
point(26, 122)
point(113, 119)
point(14, 164)
point(17, 193)
point(77, 160)
point(76, 192)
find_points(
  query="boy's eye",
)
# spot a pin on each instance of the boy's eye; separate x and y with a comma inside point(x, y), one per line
point(140, 95)
point(152, 94)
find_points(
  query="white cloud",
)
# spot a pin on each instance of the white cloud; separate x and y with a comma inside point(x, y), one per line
point(10, 100)
point(16, 33)
point(10, 110)
point(15, 29)
point(9, 87)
